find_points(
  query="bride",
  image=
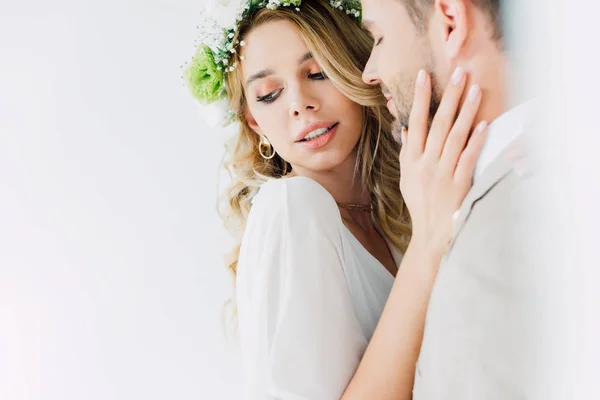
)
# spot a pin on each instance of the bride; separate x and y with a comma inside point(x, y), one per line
point(332, 277)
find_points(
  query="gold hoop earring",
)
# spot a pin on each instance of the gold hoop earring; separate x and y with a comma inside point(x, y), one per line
point(264, 142)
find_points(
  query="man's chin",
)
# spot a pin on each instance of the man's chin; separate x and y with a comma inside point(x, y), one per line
point(399, 111)
point(397, 130)
point(393, 108)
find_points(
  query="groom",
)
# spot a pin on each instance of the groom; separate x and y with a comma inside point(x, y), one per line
point(480, 333)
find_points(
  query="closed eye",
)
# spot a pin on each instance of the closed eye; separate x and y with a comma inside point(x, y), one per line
point(319, 76)
point(378, 41)
point(269, 98)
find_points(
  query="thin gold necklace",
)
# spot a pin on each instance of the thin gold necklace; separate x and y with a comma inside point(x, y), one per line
point(356, 207)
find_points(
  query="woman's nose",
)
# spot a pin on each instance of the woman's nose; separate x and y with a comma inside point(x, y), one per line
point(302, 103)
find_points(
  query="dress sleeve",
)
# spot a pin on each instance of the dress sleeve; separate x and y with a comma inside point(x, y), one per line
point(296, 315)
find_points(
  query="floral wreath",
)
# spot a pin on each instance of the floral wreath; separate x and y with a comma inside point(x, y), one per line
point(205, 74)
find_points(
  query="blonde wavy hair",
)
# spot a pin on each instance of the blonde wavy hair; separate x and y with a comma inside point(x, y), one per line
point(342, 49)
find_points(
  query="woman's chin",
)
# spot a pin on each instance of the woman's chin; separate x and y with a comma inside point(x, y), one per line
point(324, 161)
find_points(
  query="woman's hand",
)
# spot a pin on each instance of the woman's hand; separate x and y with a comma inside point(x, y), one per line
point(437, 166)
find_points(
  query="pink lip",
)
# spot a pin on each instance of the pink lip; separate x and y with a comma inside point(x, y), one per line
point(322, 140)
point(311, 127)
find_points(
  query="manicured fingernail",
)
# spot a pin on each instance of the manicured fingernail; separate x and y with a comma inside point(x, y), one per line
point(458, 76)
point(481, 127)
point(473, 93)
point(421, 77)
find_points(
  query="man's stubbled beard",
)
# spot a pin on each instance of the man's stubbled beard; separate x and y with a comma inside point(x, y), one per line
point(404, 101)
point(397, 130)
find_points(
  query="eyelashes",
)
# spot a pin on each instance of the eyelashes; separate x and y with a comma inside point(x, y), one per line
point(319, 76)
point(271, 97)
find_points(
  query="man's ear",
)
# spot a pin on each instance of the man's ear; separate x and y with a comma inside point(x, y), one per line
point(252, 123)
point(452, 25)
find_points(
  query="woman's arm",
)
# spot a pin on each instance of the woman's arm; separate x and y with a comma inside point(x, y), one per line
point(437, 169)
point(388, 366)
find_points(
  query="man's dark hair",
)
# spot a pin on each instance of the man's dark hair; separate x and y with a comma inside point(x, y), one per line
point(420, 11)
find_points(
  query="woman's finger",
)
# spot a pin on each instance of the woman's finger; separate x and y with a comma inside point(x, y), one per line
point(418, 123)
point(444, 117)
point(457, 139)
point(468, 159)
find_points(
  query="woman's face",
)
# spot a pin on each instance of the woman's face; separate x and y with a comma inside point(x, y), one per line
point(309, 122)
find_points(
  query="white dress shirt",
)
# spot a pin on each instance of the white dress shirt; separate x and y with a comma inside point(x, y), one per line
point(502, 132)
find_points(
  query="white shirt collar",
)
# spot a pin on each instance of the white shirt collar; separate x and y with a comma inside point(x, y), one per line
point(502, 132)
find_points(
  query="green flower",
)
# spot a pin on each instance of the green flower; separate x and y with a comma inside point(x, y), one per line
point(204, 77)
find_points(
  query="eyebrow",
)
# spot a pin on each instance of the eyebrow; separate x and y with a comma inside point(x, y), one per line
point(267, 72)
point(259, 75)
point(306, 57)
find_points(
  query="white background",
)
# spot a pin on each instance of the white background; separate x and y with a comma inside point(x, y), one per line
point(112, 282)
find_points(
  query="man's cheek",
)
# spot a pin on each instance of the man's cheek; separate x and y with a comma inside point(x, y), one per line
point(389, 61)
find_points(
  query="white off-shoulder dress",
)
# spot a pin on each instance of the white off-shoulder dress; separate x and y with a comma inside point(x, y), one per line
point(309, 295)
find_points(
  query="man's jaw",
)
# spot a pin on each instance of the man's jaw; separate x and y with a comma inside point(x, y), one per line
point(393, 108)
point(397, 130)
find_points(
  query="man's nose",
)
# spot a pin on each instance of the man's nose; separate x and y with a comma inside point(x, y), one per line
point(370, 76)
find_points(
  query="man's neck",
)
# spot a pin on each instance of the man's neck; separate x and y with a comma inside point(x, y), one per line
point(494, 103)
point(493, 79)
